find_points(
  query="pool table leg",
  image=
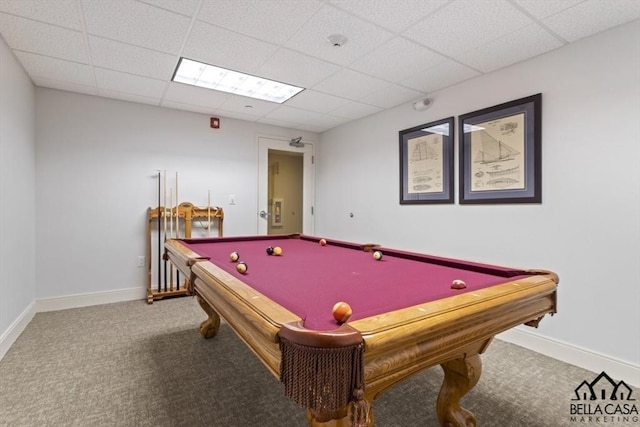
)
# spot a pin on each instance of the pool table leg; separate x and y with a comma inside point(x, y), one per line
point(209, 328)
point(460, 375)
point(339, 418)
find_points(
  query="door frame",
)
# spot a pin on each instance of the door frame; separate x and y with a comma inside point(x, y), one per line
point(266, 143)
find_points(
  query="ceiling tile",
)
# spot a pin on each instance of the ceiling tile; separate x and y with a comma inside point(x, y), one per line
point(316, 101)
point(183, 7)
point(56, 69)
point(350, 84)
point(243, 104)
point(45, 39)
point(541, 9)
point(592, 16)
point(442, 75)
point(136, 23)
point(65, 13)
point(128, 97)
point(312, 128)
point(71, 87)
point(288, 66)
point(272, 21)
point(188, 107)
point(187, 94)
point(362, 37)
point(465, 25)
point(131, 59)
point(217, 46)
point(295, 115)
point(276, 122)
point(328, 121)
point(387, 14)
point(109, 80)
point(390, 96)
point(396, 60)
point(354, 110)
point(517, 46)
point(237, 115)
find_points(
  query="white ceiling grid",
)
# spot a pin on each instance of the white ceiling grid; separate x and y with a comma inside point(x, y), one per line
point(397, 51)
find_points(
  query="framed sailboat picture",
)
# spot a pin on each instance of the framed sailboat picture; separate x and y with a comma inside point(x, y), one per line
point(500, 153)
point(426, 163)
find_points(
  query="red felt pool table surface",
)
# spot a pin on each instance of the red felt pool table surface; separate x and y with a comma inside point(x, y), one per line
point(308, 279)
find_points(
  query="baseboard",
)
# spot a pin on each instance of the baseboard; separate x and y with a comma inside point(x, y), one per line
point(574, 355)
point(85, 300)
point(16, 328)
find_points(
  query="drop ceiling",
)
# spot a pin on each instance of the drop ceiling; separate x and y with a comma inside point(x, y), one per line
point(396, 51)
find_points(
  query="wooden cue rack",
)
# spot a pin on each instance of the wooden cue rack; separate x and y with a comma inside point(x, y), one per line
point(187, 213)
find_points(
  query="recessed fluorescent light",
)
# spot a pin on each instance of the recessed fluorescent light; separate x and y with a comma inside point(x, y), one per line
point(218, 78)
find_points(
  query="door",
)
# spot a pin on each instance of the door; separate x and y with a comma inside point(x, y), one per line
point(278, 214)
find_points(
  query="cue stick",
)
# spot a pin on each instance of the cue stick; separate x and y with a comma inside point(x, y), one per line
point(164, 214)
point(159, 231)
point(209, 211)
point(177, 210)
point(171, 230)
point(177, 229)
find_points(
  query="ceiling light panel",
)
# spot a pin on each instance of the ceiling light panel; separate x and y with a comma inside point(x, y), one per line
point(221, 79)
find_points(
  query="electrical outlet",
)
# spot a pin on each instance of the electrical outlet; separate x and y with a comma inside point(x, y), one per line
point(232, 199)
point(141, 261)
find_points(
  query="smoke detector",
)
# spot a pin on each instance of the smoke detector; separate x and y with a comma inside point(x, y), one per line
point(422, 104)
point(337, 40)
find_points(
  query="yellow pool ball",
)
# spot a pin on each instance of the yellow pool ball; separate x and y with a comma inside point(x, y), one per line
point(241, 267)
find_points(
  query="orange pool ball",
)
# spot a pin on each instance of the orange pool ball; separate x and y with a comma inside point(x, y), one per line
point(342, 312)
point(323, 242)
point(277, 251)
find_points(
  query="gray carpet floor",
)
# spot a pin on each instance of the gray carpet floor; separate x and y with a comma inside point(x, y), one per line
point(133, 364)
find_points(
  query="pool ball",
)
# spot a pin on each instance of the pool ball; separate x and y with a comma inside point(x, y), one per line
point(377, 255)
point(234, 256)
point(458, 284)
point(277, 251)
point(323, 242)
point(241, 267)
point(341, 312)
point(270, 250)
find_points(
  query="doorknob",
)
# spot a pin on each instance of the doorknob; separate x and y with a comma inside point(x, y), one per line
point(264, 214)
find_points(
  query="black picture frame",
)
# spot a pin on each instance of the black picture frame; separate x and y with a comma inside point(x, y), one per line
point(426, 163)
point(500, 153)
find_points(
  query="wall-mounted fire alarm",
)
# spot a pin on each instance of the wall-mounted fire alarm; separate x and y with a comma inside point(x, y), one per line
point(215, 123)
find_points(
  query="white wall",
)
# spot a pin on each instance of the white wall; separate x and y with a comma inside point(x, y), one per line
point(17, 197)
point(588, 227)
point(96, 176)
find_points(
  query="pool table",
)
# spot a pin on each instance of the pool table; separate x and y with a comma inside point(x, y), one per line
point(406, 316)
